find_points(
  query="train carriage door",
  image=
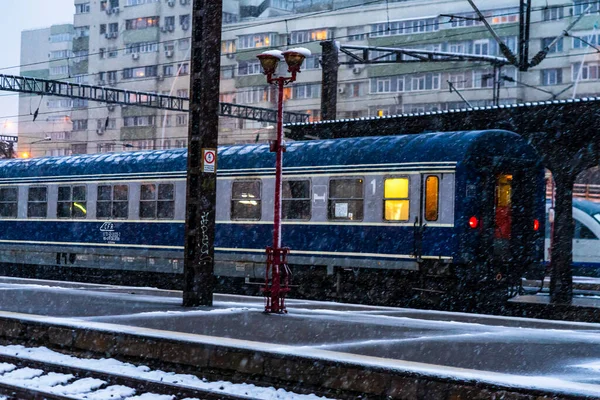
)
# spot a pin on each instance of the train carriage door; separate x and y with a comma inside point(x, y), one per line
point(429, 211)
point(503, 215)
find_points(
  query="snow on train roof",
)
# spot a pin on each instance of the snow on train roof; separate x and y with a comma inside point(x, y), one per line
point(429, 147)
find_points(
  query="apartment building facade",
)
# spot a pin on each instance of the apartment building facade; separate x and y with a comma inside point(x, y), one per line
point(144, 45)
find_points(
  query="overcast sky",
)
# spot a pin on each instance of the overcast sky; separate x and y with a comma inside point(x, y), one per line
point(16, 16)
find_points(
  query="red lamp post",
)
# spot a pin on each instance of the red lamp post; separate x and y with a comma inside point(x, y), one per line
point(274, 291)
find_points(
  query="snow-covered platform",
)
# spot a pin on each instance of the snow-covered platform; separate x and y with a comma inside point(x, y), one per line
point(401, 353)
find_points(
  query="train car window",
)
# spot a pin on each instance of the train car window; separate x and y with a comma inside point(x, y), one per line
point(245, 200)
point(9, 202)
point(396, 201)
point(113, 201)
point(583, 232)
point(72, 202)
point(432, 194)
point(37, 202)
point(346, 199)
point(157, 201)
point(295, 200)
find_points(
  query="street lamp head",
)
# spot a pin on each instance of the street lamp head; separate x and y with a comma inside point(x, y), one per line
point(269, 61)
point(295, 57)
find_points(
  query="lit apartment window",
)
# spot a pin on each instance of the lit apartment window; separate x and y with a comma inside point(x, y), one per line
point(141, 23)
point(228, 46)
point(256, 40)
point(140, 72)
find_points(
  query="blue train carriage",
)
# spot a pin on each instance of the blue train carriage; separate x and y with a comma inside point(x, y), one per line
point(384, 216)
point(365, 218)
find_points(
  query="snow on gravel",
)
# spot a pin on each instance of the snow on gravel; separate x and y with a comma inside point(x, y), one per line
point(53, 382)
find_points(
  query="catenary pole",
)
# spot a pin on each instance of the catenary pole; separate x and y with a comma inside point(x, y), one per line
point(202, 148)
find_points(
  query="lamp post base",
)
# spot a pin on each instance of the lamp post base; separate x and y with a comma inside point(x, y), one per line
point(277, 276)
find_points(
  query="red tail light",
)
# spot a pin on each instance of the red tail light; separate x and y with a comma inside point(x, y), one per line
point(473, 222)
point(536, 225)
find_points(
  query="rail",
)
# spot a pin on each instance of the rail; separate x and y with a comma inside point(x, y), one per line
point(22, 388)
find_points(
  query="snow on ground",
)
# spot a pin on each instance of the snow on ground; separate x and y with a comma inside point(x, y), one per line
point(113, 366)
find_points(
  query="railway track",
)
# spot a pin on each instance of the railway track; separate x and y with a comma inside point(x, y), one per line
point(23, 378)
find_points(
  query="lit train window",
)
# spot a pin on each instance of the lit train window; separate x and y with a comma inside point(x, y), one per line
point(432, 194)
point(245, 200)
point(395, 199)
point(113, 202)
point(157, 201)
point(9, 202)
point(72, 202)
point(37, 202)
point(346, 199)
point(295, 200)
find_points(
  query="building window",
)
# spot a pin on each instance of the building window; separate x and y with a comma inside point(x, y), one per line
point(556, 48)
point(71, 202)
point(404, 27)
point(424, 82)
point(585, 72)
point(141, 23)
point(9, 198)
point(103, 123)
point(140, 72)
point(184, 21)
point(60, 37)
point(306, 91)
point(483, 79)
point(113, 202)
point(82, 8)
point(245, 200)
point(80, 124)
point(295, 200)
point(579, 7)
point(432, 194)
point(481, 47)
point(183, 44)
point(183, 69)
point(553, 13)
point(181, 120)
point(396, 204)
point(249, 68)
point(105, 147)
point(228, 47)
point(157, 201)
point(37, 202)
point(170, 23)
point(143, 47)
point(356, 33)
point(552, 76)
point(255, 41)
point(145, 120)
point(168, 70)
point(60, 70)
point(346, 199)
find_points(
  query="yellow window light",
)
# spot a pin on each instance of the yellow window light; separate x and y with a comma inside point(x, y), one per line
point(396, 188)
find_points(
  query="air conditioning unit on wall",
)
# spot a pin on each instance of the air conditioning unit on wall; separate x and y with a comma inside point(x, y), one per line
point(356, 70)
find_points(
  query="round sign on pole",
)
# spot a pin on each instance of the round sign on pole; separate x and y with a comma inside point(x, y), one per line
point(209, 160)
